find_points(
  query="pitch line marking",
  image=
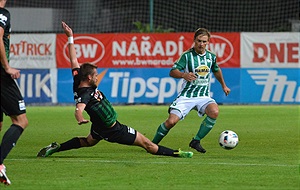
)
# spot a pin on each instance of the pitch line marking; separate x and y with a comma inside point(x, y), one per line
point(147, 162)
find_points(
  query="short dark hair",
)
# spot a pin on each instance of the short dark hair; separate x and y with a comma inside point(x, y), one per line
point(86, 69)
point(203, 32)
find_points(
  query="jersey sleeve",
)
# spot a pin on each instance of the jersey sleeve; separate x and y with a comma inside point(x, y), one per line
point(4, 18)
point(215, 67)
point(82, 96)
point(180, 64)
point(76, 79)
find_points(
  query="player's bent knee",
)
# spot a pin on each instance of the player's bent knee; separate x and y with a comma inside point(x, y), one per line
point(20, 120)
point(214, 114)
point(85, 142)
point(170, 123)
point(92, 143)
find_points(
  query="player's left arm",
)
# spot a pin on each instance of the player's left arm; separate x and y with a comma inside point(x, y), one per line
point(219, 76)
point(72, 52)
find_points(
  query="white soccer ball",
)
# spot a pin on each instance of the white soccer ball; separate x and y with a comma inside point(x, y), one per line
point(228, 139)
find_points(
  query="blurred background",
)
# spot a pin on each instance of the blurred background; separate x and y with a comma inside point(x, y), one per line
point(134, 43)
point(99, 16)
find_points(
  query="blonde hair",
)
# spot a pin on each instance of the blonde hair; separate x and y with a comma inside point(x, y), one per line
point(202, 32)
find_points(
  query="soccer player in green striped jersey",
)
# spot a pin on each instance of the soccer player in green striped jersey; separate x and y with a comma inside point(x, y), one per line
point(103, 117)
point(194, 67)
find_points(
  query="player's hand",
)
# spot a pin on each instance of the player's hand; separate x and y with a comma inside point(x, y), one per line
point(14, 73)
point(68, 31)
point(83, 122)
point(189, 76)
point(226, 90)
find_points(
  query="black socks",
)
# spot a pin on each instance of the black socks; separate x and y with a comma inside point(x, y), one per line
point(9, 140)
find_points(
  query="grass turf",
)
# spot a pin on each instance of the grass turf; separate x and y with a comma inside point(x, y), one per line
point(267, 156)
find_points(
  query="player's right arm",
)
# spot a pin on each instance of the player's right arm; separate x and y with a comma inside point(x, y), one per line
point(72, 52)
point(178, 67)
point(14, 73)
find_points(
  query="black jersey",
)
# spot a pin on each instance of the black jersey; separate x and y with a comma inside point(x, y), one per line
point(5, 24)
point(12, 102)
point(98, 107)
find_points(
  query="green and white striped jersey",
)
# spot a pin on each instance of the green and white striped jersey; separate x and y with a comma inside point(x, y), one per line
point(202, 66)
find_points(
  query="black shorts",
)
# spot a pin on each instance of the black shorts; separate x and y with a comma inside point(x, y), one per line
point(12, 102)
point(119, 133)
point(1, 115)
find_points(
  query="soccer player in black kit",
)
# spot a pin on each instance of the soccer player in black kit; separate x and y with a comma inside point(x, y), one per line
point(12, 102)
point(102, 115)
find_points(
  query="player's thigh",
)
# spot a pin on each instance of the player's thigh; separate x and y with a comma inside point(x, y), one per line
point(125, 135)
point(144, 142)
point(119, 133)
point(205, 105)
point(12, 102)
point(182, 105)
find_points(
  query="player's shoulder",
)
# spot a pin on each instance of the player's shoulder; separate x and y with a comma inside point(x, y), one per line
point(4, 13)
point(75, 71)
point(183, 55)
point(209, 52)
point(191, 50)
point(4, 16)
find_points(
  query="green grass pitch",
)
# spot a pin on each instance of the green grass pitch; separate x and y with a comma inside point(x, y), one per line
point(267, 156)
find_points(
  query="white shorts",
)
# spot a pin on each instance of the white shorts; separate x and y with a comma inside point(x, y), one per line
point(183, 105)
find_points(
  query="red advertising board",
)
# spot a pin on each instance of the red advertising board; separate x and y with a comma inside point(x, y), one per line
point(135, 50)
point(227, 48)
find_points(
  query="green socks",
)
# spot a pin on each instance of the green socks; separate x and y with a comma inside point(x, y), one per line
point(161, 132)
point(206, 125)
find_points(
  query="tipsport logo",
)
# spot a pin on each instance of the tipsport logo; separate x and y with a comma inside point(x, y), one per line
point(132, 88)
point(277, 87)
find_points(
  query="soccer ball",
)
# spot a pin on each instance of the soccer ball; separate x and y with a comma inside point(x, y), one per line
point(228, 139)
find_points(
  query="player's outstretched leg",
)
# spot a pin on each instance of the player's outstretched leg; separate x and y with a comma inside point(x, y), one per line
point(155, 149)
point(183, 154)
point(165, 151)
point(48, 150)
